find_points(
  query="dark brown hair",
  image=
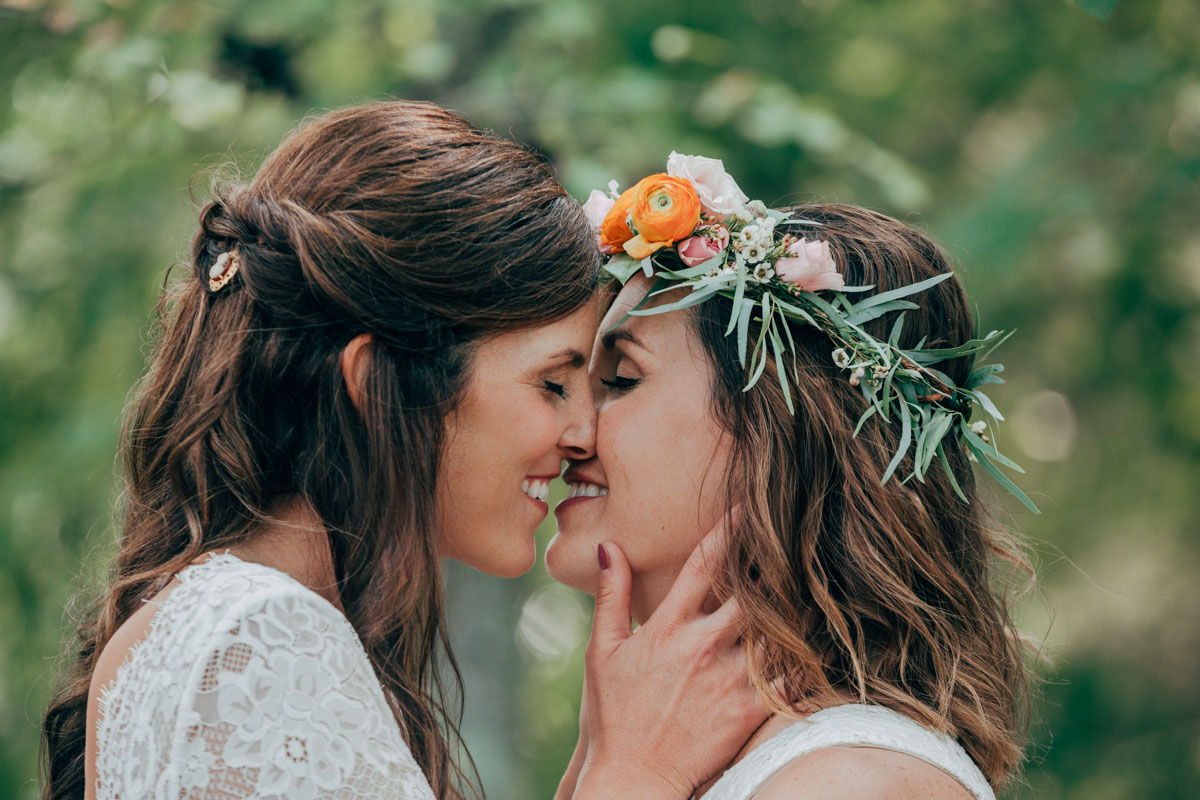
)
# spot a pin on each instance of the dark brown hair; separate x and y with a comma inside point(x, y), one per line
point(881, 593)
point(395, 219)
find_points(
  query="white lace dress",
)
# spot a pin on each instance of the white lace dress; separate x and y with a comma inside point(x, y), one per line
point(249, 685)
point(849, 726)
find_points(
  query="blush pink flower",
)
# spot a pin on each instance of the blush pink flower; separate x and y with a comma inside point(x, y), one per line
point(809, 266)
point(718, 192)
point(709, 243)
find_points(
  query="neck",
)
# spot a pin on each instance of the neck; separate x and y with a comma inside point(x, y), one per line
point(294, 541)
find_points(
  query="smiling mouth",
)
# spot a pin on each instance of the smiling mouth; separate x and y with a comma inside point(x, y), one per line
point(585, 490)
point(538, 488)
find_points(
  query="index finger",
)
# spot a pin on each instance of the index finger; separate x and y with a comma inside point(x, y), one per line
point(694, 581)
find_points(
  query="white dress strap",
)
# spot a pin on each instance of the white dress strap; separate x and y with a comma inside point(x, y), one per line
point(851, 725)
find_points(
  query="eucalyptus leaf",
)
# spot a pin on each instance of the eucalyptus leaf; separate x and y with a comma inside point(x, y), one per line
point(903, 291)
point(858, 317)
point(922, 356)
point(932, 436)
point(738, 293)
point(622, 267)
point(977, 443)
point(760, 362)
point(905, 440)
point(777, 345)
point(941, 451)
point(985, 370)
point(988, 405)
point(743, 328)
point(897, 327)
point(693, 299)
point(834, 315)
point(866, 415)
point(919, 455)
point(795, 311)
point(941, 376)
point(1001, 478)
point(723, 280)
point(994, 340)
point(716, 262)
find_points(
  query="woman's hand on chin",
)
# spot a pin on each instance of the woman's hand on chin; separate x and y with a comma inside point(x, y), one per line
point(669, 706)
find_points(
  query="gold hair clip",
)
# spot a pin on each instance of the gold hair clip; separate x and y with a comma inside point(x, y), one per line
point(223, 270)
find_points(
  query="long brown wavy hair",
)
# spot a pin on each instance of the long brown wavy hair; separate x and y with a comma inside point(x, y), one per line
point(886, 594)
point(396, 219)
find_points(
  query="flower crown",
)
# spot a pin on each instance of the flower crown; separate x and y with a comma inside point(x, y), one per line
point(693, 226)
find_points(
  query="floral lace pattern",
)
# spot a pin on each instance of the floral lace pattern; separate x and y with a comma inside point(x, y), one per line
point(849, 726)
point(249, 685)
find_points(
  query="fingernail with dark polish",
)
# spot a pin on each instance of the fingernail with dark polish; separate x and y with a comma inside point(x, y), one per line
point(602, 556)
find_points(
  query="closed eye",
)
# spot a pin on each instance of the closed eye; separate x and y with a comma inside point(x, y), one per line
point(556, 388)
point(619, 383)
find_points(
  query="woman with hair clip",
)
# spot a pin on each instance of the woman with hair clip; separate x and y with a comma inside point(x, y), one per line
point(377, 359)
point(812, 368)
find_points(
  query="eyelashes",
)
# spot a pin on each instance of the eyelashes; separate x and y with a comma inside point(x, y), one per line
point(617, 383)
point(620, 383)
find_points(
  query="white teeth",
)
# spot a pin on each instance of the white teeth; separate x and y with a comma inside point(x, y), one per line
point(586, 490)
point(537, 488)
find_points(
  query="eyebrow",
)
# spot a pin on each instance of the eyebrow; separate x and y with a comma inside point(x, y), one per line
point(570, 356)
point(610, 339)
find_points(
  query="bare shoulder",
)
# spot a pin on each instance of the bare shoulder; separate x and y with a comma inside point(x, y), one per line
point(861, 773)
point(114, 654)
point(124, 639)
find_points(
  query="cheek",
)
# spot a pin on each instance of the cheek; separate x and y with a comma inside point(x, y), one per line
point(543, 430)
point(653, 475)
point(521, 432)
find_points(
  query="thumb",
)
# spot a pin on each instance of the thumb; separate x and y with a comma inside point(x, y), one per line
point(610, 626)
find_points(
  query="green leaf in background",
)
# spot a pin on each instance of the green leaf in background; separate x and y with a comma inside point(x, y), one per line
point(1100, 9)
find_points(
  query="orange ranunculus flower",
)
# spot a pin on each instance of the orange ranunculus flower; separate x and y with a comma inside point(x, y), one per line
point(614, 231)
point(665, 210)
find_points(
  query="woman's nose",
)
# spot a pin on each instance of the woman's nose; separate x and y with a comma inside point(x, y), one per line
point(578, 441)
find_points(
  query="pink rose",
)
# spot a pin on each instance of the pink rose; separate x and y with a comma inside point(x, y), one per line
point(719, 194)
point(810, 266)
point(709, 243)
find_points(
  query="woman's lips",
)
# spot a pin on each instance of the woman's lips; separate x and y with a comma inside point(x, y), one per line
point(581, 491)
point(537, 489)
point(585, 489)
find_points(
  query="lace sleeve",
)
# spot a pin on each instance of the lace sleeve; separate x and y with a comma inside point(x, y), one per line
point(285, 705)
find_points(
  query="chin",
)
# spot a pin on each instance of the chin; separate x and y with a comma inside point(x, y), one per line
point(506, 562)
point(572, 562)
point(513, 565)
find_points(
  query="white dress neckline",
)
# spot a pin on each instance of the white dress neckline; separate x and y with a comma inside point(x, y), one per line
point(850, 725)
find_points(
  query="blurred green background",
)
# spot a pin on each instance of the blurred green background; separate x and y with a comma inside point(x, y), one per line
point(1052, 145)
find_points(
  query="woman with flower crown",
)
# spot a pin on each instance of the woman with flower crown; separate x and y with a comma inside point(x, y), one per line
point(375, 359)
point(808, 375)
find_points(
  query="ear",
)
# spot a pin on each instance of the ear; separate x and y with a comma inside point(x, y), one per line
point(356, 360)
